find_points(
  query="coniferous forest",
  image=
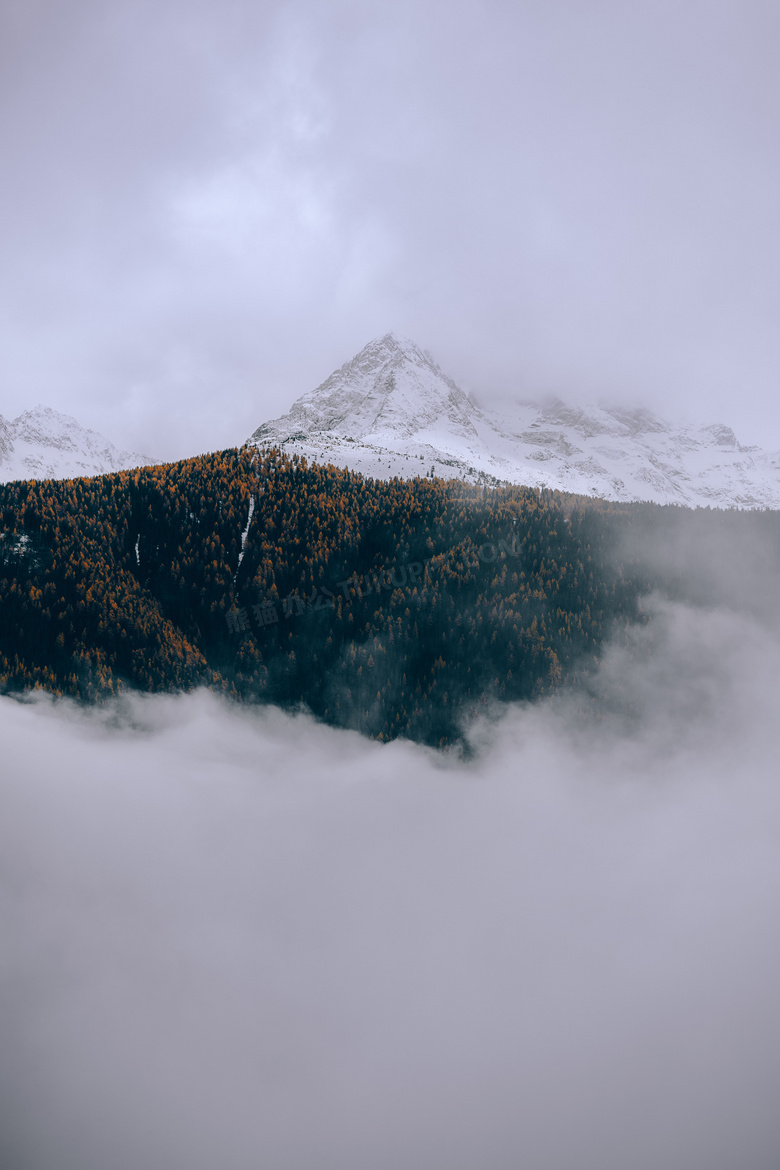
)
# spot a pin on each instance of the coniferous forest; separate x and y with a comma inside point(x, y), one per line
point(400, 608)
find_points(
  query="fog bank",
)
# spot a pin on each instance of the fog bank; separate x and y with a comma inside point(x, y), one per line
point(240, 939)
point(208, 206)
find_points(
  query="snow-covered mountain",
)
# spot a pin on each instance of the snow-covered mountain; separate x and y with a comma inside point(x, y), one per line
point(391, 411)
point(44, 444)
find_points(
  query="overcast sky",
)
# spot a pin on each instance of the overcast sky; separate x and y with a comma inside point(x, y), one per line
point(207, 207)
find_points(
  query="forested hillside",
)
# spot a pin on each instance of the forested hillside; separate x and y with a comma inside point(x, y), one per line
point(396, 608)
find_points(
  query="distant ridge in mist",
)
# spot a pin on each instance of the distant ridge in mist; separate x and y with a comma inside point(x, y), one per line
point(44, 444)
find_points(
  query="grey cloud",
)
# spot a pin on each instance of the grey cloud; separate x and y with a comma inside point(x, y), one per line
point(207, 208)
point(243, 939)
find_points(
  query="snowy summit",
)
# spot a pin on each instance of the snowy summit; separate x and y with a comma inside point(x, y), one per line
point(44, 444)
point(392, 411)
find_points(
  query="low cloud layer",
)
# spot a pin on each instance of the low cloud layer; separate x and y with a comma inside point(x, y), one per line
point(207, 207)
point(240, 939)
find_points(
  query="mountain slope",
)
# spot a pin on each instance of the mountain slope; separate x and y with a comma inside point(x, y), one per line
point(399, 608)
point(392, 411)
point(44, 444)
point(404, 608)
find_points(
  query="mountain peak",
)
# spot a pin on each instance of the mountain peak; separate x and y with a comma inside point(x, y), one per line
point(390, 410)
point(43, 443)
point(390, 351)
point(47, 426)
point(396, 343)
point(390, 390)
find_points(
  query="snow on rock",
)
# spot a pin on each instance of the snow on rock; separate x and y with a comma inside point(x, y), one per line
point(392, 411)
point(44, 444)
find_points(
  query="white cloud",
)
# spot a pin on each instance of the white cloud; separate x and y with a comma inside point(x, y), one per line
point(239, 938)
point(551, 197)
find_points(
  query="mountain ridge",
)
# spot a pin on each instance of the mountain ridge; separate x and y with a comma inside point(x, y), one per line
point(43, 443)
point(391, 410)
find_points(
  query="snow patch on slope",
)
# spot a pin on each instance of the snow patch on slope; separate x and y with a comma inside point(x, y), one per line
point(245, 534)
